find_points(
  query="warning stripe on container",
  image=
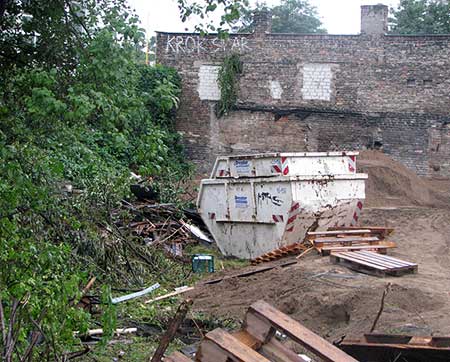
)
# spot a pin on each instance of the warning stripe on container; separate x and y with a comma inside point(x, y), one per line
point(352, 163)
point(357, 213)
point(284, 166)
point(278, 218)
point(276, 169)
point(293, 213)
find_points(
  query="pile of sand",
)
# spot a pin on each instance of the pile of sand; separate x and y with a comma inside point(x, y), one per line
point(391, 183)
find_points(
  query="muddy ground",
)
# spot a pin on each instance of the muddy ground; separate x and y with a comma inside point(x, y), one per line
point(335, 301)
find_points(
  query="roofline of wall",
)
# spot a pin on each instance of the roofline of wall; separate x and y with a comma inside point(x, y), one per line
point(323, 36)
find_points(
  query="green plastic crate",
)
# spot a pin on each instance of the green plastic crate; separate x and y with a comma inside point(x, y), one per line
point(202, 263)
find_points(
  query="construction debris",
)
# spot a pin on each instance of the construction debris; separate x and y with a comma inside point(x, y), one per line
point(163, 225)
point(99, 332)
point(257, 342)
point(383, 347)
point(280, 253)
point(135, 295)
point(177, 291)
point(251, 272)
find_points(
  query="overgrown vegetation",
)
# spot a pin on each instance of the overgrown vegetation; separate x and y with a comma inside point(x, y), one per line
point(78, 112)
point(228, 80)
point(420, 17)
point(290, 16)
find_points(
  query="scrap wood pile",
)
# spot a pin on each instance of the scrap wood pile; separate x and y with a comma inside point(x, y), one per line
point(359, 248)
point(266, 330)
point(258, 341)
point(166, 226)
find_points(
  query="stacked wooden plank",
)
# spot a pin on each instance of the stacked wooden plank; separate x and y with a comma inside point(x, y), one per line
point(360, 248)
point(351, 239)
point(256, 342)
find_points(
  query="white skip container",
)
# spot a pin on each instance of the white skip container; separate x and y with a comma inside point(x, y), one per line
point(285, 164)
point(249, 216)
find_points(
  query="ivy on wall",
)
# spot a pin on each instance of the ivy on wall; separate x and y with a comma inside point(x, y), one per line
point(228, 80)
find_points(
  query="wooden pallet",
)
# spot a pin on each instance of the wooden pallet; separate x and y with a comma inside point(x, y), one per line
point(381, 248)
point(280, 253)
point(381, 231)
point(373, 263)
point(256, 341)
point(345, 241)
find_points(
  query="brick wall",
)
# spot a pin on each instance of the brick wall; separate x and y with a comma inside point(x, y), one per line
point(318, 93)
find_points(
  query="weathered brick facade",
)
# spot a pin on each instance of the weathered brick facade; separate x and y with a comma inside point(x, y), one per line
point(318, 93)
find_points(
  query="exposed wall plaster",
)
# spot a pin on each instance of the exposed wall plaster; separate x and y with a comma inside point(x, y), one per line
point(317, 81)
point(208, 88)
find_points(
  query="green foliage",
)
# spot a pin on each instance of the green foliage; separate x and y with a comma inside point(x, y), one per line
point(231, 12)
point(228, 79)
point(421, 17)
point(290, 16)
point(78, 112)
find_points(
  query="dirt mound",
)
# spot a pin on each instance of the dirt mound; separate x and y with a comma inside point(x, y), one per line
point(390, 183)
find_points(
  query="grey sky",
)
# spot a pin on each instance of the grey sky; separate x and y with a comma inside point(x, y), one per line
point(338, 16)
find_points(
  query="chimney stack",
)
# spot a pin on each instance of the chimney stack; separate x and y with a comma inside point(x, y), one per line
point(374, 19)
point(262, 22)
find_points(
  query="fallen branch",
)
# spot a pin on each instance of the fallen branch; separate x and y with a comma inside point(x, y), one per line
point(171, 330)
point(385, 292)
point(88, 286)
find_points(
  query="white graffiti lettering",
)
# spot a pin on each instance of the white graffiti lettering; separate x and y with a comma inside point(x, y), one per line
point(196, 44)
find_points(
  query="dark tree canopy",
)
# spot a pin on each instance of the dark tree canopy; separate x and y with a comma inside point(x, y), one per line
point(291, 16)
point(421, 17)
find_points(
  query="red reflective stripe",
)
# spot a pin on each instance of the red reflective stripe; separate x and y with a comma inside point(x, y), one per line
point(290, 229)
point(359, 204)
point(286, 170)
point(294, 207)
point(276, 168)
point(277, 218)
point(291, 219)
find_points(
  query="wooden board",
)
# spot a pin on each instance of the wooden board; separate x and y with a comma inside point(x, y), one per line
point(277, 352)
point(251, 272)
point(244, 337)
point(382, 347)
point(349, 239)
point(314, 234)
point(373, 263)
point(219, 345)
point(311, 341)
point(380, 248)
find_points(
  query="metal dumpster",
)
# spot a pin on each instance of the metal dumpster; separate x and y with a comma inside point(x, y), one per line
point(285, 164)
point(249, 216)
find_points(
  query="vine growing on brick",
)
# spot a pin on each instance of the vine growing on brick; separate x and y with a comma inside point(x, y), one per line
point(228, 80)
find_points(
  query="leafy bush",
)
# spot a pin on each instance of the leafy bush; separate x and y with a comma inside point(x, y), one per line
point(71, 130)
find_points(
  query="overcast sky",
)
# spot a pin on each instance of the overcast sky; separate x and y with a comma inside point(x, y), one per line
point(338, 16)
